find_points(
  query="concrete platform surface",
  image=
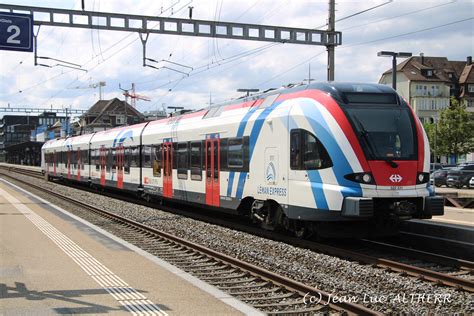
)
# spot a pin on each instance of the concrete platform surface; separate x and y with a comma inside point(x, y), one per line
point(52, 262)
point(455, 215)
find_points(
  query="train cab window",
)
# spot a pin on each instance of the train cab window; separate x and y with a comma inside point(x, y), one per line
point(307, 152)
point(156, 159)
point(196, 161)
point(146, 156)
point(182, 160)
point(235, 153)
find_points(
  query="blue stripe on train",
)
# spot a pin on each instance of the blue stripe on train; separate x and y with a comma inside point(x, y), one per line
point(256, 129)
point(240, 133)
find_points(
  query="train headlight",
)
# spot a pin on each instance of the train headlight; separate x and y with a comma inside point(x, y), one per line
point(361, 177)
point(422, 177)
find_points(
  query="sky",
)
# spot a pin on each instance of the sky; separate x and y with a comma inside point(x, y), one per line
point(221, 66)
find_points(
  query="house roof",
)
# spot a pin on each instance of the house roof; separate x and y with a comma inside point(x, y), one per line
point(467, 75)
point(441, 66)
point(102, 106)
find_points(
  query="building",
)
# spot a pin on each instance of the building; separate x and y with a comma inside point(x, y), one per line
point(22, 129)
point(428, 83)
point(106, 114)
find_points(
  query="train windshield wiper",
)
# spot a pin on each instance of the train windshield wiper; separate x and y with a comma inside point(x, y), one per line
point(372, 150)
point(365, 134)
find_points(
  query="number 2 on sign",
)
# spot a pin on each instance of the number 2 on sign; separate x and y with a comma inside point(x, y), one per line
point(16, 32)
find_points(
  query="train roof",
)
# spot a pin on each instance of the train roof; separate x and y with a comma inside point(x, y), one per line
point(338, 90)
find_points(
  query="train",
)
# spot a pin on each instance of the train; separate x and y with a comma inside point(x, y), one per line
point(325, 159)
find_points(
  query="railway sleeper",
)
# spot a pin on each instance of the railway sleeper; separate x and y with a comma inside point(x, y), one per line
point(319, 309)
point(216, 273)
point(262, 291)
point(270, 298)
point(239, 281)
point(228, 277)
point(280, 304)
point(211, 266)
point(238, 287)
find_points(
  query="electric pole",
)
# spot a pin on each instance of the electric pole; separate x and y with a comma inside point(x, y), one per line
point(331, 40)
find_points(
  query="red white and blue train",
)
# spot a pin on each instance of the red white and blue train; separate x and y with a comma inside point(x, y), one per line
point(335, 159)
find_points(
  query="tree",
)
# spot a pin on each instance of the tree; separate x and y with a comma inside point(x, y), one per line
point(430, 129)
point(455, 130)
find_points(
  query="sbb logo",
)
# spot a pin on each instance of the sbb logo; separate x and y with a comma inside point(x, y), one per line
point(396, 178)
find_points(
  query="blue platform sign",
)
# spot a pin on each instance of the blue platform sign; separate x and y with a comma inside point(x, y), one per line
point(16, 32)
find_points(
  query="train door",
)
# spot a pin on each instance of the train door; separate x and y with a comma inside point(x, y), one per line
point(120, 157)
point(167, 158)
point(69, 164)
point(79, 162)
point(213, 167)
point(103, 152)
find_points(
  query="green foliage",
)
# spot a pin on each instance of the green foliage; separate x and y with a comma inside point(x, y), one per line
point(455, 130)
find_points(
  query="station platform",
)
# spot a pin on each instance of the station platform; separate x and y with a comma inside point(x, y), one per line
point(34, 168)
point(52, 262)
point(456, 215)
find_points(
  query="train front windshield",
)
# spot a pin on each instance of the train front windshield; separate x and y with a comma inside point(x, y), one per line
point(386, 132)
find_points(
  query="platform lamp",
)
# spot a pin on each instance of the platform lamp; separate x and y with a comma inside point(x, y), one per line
point(394, 56)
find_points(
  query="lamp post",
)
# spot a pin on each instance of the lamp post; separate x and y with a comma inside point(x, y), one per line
point(394, 56)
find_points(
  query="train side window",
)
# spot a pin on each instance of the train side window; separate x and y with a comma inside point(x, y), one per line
point(96, 158)
point(134, 157)
point(235, 153)
point(182, 160)
point(114, 159)
point(295, 149)
point(146, 156)
point(73, 158)
point(307, 152)
point(85, 158)
point(156, 157)
point(127, 154)
point(196, 161)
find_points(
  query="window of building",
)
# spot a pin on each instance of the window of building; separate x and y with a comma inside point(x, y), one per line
point(429, 72)
point(196, 161)
point(120, 119)
point(182, 160)
point(470, 87)
point(235, 153)
point(307, 152)
point(156, 154)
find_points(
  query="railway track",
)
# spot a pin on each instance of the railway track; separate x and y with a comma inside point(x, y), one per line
point(460, 278)
point(264, 290)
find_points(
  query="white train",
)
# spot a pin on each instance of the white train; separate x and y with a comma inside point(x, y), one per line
point(331, 158)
